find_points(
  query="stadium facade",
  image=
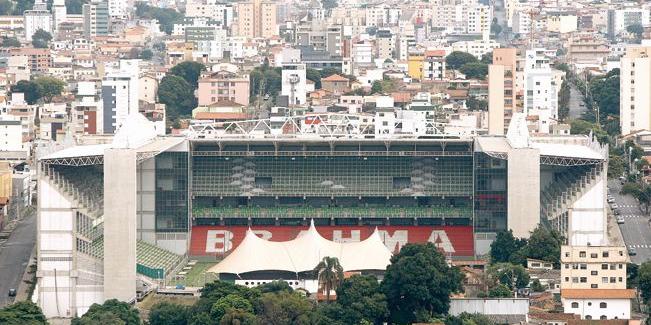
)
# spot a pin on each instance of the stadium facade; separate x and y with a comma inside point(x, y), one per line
point(139, 206)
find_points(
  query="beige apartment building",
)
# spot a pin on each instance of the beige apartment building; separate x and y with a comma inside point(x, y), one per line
point(504, 91)
point(593, 267)
point(256, 18)
point(593, 282)
point(635, 89)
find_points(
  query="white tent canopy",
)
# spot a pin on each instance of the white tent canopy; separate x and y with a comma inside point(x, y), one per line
point(303, 253)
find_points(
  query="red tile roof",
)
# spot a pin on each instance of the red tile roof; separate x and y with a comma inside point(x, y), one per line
point(598, 293)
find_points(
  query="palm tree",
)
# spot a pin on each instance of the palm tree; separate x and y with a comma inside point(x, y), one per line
point(329, 273)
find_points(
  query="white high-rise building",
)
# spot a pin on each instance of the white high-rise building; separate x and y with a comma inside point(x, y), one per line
point(120, 93)
point(59, 13)
point(635, 90)
point(294, 83)
point(37, 18)
point(541, 98)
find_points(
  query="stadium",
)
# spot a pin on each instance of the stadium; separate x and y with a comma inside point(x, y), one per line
point(154, 201)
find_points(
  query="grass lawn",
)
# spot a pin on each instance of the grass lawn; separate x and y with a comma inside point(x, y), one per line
point(198, 276)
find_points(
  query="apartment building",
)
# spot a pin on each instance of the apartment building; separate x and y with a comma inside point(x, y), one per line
point(120, 95)
point(593, 282)
point(37, 18)
point(434, 65)
point(40, 60)
point(210, 9)
point(635, 90)
point(502, 90)
point(223, 86)
point(540, 91)
point(96, 19)
point(386, 45)
point(256, 18)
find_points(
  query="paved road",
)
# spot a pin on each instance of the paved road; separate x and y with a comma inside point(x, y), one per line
point(14, 256)
point(636, 228)
point(576, 100)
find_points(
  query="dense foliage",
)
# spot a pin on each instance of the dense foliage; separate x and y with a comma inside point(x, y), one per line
point(111, 311)
point(166, 17)
point(418, 284)
point(44, 88)
point(22, 313)
point(457, 59)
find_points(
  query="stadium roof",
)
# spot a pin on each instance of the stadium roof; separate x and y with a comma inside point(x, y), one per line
point(303, 254)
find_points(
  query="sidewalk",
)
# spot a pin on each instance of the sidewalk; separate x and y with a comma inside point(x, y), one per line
point(27, 279)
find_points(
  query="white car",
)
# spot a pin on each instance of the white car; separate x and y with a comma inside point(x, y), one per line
point(620, 220)
point(611, 200)
point(613, 206)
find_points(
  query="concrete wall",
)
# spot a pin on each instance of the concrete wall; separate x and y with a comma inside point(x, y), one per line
point(523, 190)
point(120, 206)
point(496, 99)
point(495, 306)
point(587, 217)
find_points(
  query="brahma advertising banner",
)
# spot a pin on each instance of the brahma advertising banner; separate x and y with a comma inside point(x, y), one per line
point(220, 240)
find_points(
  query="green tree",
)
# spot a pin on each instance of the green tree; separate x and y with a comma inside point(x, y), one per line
point(22, 313)
point(457, 59)
point(376, 87)
point(509, 275)
point(362, 300)
point(505, 248)
point(474, 70)
point(231, 301)
point(636, 29)
point(199, 313)
point(166, 17)
point(475, 104)
point(165, 313)
point(275, 286)
point(74, 7)
point(544, 244)
point(418, 283)
point(536, 286)
point(615, 166)
point(112, 307)
point(604, 90)
point(41, 38)
point(49, 87)
point(564, 101)
point(29, 89)
point(487, 58)
point(22, 5)
point(6, 7)
point(146, 54)
point(329, 4)
point(329, 273)
point(177, 95)
point(632, 275)
point(283, 307)
point(10, 42)
point(500, 291)
point(188, 70)
point(238, 317)
point(314, 75)
point(644, 280)
point(468, 319)
point(496, 28)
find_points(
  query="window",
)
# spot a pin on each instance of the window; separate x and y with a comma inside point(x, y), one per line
point(583, 279)
point(620, 266)
point(604, 279)
point(593, 273)
point(594, 255)
point(603, 305)
point(575, 280)
point(604, 254)
point(575, 266)
point(575, 305)
point(613, 279)
point(567, 266)
point(619, 279)
point(584, 266)
point(567, 279)
point(602, 317)
point(604, 266)
point(593, 286)
point(567, 254)
point(613, 266)
point(588, 317)
point(589, 304)
point(582, 254)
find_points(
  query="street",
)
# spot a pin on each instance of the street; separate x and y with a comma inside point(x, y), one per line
point(576, 105)
point(636, 229)
point(14, 256)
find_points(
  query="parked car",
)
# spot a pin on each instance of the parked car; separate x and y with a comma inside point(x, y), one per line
point(632, 252)
point(611, 200)
point(614, 206)
point(620, 220)
point(12, 292)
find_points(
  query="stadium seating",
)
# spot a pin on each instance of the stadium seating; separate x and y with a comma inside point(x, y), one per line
point(332, 212)
point(150, 256)
point(326, 176)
